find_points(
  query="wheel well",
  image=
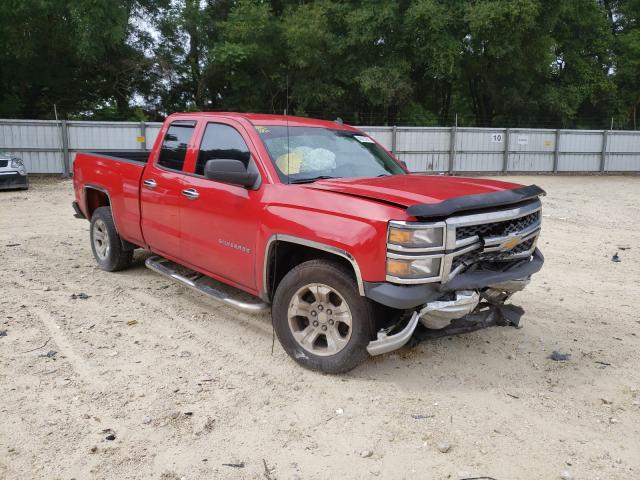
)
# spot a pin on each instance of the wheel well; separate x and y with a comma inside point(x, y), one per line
point(283, 256)
point(95, 198)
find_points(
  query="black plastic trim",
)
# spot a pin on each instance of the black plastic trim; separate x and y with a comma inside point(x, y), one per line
point(406, 297)
point(78, 213)
point(13, 181)
point(475, 202)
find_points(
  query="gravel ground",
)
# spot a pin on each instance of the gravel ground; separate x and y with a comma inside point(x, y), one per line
point(146, 379)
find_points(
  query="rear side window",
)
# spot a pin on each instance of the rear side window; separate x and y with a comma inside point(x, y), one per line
point(174, 146)
point(222, 142)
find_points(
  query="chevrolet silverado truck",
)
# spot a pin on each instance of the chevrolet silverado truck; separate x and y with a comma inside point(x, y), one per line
point(317, 223)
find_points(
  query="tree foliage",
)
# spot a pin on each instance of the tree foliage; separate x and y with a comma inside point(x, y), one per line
point(573, 63)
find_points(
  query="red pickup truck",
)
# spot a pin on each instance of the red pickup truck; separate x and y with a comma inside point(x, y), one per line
point(318, 223)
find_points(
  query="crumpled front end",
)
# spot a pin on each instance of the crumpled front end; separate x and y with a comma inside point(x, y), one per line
point(458, 269)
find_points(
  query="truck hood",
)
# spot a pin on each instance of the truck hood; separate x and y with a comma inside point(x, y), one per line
point(412, 189)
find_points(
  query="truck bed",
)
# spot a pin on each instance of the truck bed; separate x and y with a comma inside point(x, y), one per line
point(118, 175)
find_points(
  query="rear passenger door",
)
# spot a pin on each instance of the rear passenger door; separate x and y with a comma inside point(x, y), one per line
point(161, 196)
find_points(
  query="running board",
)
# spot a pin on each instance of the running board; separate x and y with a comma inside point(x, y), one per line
point(194, 281)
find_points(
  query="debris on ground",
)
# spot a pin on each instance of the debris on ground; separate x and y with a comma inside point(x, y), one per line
point(12, 245)
point(616, 258)
point(444, 447)
point(3, 333)
point(131, 323)
point(267, 470)
point(81, 296)
point(556, 356)
point(566, 475)
point(146, 420)
point(366, 453)
point(49, 354)
point(111, 435)
point(234, 465)
point(419, 416)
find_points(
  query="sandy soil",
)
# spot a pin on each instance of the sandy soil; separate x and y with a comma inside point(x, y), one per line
point(187, 386)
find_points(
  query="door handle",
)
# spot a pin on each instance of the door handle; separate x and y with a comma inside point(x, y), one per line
point(191, 193)
point(150, 183)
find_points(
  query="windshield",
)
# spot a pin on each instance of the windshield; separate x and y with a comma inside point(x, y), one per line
point(306, 154)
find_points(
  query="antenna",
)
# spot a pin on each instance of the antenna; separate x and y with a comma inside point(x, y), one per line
point(286, 119)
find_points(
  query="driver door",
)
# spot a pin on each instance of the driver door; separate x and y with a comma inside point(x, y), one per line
point(220, 221)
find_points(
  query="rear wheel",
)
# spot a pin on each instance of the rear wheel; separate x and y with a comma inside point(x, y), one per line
point(106, 243)
point(320, 318)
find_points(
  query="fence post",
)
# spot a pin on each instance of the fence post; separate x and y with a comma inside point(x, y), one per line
point(394, 140)
point(556, 152)
point(505, 160)
point(143, 134)
point(66, 161)
point(452, 149)
point(603, 158)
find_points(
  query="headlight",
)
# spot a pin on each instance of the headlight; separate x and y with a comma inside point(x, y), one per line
point(17, 163)
point(405, 268)
point(418, 236)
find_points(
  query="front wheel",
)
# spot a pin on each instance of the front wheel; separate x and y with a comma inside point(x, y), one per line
point(320, 318)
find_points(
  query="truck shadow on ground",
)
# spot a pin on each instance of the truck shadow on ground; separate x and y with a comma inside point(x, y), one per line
point(487, 358)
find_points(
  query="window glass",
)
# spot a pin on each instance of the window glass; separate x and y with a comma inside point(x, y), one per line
point(222, 142)
point(306, 154)
point(174, 146)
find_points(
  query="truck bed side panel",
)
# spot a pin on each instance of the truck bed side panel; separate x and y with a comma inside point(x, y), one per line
point(120, 179)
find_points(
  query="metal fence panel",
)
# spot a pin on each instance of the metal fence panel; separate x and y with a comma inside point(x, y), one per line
point(34, 135)
point(477, 161)
point(382, 135)
point(425, 162)
point(584, 141)
point(579, 162)
point(623, 152)
point(424, 149)
point(471, 140)
point(530, 162)
point(38, 143)
point(417, 140)
point(152, 131)
point(532, 141)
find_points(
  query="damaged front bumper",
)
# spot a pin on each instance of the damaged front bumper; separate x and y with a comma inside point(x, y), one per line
point(457, 299)
point(10, 180)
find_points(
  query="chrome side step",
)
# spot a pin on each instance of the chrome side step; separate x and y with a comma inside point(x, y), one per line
point(194, 281)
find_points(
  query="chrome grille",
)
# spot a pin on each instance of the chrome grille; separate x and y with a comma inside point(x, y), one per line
point(475, 256)
point(498, 229)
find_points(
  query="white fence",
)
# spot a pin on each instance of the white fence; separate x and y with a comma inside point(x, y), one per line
point(50, 146)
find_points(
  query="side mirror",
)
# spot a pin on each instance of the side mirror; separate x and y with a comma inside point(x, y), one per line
point(404, 164)
point(230, 171)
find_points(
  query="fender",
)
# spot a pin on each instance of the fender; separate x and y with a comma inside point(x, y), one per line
point(313, 244)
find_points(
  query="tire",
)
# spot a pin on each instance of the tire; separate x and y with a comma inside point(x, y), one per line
point(106, 243)
point(303, 305)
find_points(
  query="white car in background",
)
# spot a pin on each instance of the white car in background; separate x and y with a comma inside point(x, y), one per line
point(13, 174)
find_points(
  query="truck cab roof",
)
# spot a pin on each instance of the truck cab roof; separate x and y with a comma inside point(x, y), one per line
point(267, 119)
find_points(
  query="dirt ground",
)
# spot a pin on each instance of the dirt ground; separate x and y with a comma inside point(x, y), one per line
point(190, 389)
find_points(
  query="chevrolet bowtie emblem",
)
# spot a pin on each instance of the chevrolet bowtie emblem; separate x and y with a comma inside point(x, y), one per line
point(511, 243)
